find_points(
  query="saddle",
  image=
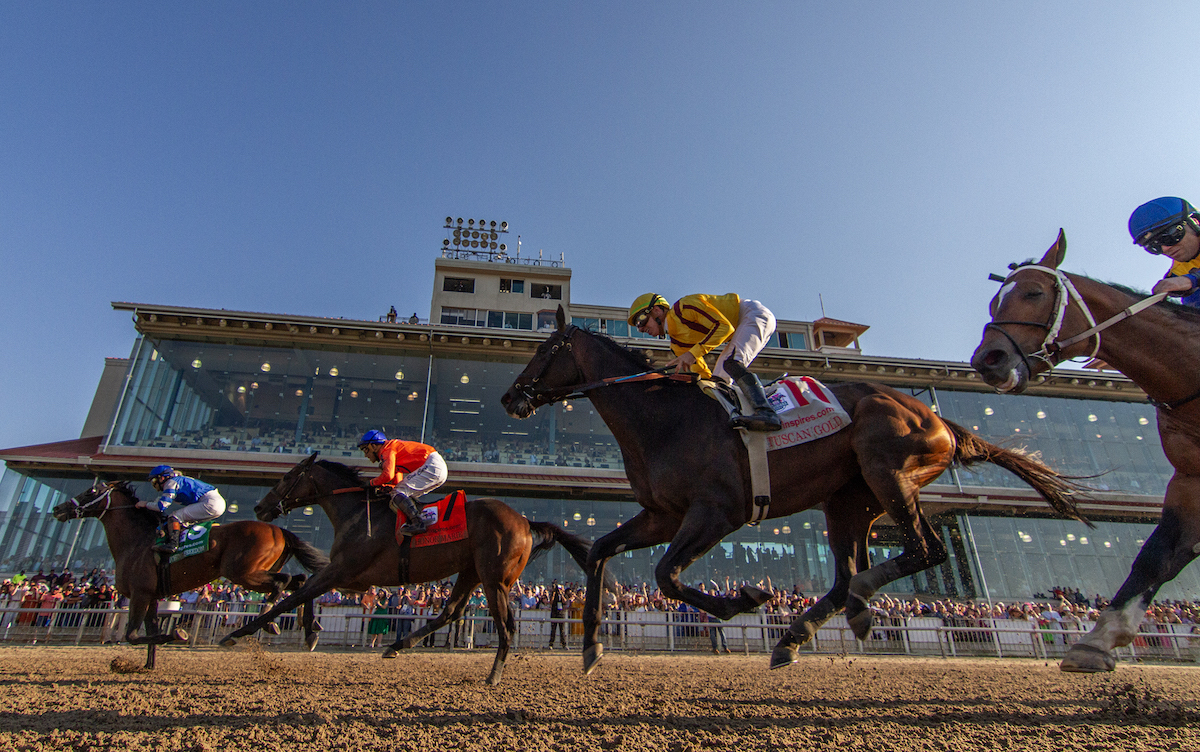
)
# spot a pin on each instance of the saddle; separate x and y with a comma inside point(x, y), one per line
point(447, 519)
point(808, 410)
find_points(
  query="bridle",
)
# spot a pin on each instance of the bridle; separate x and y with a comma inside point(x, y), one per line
point(78, 509)
point(286, 502)
point(530, 390)
point(1051, 352)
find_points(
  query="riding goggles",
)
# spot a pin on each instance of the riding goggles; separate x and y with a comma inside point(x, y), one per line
point(641, 317)
point(1171, 235)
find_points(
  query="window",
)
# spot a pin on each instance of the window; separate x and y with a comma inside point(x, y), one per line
point(506, 320)
point(458, 284)
point(461, 317)
point(546, 292)
point(592, 325)
point(617, 327)
point(547, 320)
point(512, 285)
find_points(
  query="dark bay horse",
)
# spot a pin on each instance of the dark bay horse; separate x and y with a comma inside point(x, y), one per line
point(499, 543)
point(1042, 316)
point(689, 471)
point(247, 553)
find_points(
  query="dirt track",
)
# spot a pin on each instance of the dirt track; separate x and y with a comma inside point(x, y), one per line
point(71, 698)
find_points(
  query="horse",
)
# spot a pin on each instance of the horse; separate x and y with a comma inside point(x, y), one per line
point(500, 542)
point(690, 472)
point(1156, 345)
point(248, 553)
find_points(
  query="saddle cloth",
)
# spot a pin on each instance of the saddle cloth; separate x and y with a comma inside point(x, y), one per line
point(808, 409)
point(194, 540)
point(447, 519)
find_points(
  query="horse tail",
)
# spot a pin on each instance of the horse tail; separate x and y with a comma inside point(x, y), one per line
point(546, 534)
point(309, 556)
point(1057, 489)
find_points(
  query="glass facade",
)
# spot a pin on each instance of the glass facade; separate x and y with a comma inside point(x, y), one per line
point(246, 398)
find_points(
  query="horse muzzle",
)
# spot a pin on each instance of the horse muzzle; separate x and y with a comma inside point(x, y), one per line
point(517, 404)
point(1001, 369)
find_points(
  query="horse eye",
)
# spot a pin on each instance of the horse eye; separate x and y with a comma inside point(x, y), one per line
point(1033, 294)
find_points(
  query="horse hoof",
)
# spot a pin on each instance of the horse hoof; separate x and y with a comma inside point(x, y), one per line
point(228, 642)
point(316, 626)
point(591, 657)
point(860, 624)
point(179, 635)
point(311, 642)
point(1085, 659)
point(784, 655)
point(271, 629)
point(391, 653)
point(757, 595)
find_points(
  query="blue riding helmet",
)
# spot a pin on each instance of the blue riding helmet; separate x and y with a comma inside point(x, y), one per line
point(372, 437)
point(1156, 214)
point(160, 470)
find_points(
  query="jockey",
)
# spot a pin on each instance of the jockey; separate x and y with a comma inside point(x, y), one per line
point(409, 468)
point(1171, 227)
point(697, 325)
point(198, 502)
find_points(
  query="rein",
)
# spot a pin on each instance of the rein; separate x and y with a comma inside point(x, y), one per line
point(286, 497)
point(1052, 348)
point(532, 392)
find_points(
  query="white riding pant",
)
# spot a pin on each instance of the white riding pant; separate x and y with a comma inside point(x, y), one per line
point(210, 506)
point(755, 326)
point(425, 478)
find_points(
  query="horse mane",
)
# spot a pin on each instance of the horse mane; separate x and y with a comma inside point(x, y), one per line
point(1186, 313)
point(345, 472)
point(126, 488)
point(637, 358)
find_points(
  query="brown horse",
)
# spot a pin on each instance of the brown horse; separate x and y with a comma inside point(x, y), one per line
point(499, 543)
point(689, 471)
point(247, 553)
point(1157, 346)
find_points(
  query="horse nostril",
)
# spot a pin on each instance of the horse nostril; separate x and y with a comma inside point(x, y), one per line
point(993, 358)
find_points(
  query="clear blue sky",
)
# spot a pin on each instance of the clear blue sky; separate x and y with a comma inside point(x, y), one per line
point(300, 158)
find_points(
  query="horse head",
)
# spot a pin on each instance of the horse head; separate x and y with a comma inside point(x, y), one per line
point(93, 502)
point(1036, 302)
point(550, 376)
point(292, 490)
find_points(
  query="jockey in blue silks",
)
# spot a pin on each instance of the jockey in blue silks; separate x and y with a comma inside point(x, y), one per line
point(197, 500)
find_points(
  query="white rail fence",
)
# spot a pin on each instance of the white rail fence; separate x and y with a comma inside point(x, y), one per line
point(347, 627)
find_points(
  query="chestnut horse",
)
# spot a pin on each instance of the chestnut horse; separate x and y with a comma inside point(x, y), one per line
point(499, 543)
point(247, 553)
point(1155, 344)
point(690, 472)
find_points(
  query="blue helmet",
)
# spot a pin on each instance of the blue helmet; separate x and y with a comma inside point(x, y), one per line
point(1156, 214)
point(372, 437)
point(160, 470)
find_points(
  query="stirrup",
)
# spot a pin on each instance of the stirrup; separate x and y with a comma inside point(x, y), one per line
point(411, 529)
point(759, 421)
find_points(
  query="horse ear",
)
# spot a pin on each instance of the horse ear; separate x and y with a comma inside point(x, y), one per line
point(1055, 254)
point(561, 317)
point(311, 459)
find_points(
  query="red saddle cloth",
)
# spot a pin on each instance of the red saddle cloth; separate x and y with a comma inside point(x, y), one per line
point(447, 521)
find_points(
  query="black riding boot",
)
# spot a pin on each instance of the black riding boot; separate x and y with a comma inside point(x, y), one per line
point(174, 534)
point(764, 417)
point(416, 523)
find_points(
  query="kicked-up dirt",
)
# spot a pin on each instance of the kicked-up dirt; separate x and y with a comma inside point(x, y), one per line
point(249, 699)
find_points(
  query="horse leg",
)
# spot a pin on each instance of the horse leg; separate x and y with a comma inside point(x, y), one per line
point(453, 610)
point(703, 526)
point(848, 515)
point(1174, 543)
point(506, 627)
point(896, 466)
point(316, 585)
point(643, 530)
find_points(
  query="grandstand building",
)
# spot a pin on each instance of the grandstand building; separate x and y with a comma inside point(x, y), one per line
point(237, 398)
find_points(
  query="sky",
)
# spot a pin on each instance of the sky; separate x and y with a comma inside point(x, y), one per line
point(301, 157)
